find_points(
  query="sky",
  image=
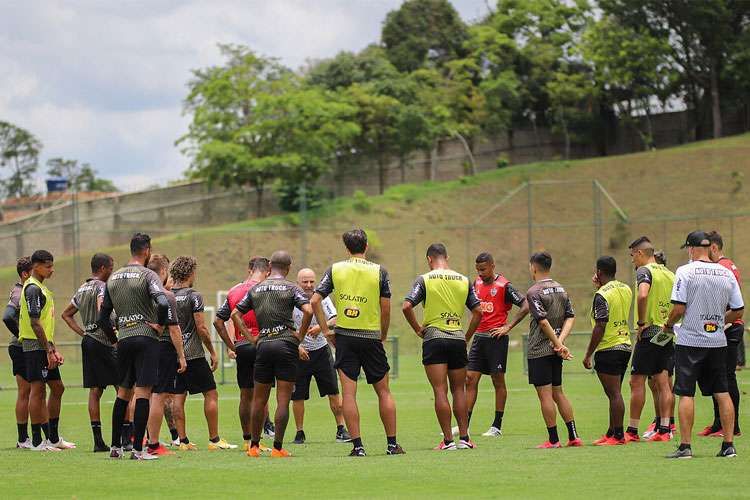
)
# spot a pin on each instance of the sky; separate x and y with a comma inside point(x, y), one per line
point(103, 82)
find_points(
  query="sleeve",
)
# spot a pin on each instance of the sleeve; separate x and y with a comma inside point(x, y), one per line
point(536, 307)
point(512, 296)
point(104, 321)
point(643, 275)
point(172, 317)
point(224, 311)
point(600, 309)
point(35, 300)
point(472, 300)
point(9, 318)
point(155, 286)
point(246, 304)
point(15, 297)
point(569, 313)
point(157, 292)
point(74, 301)
point(325, 287)
point(197, 302)
point(418, 292)
point(385, 284)
point(100, 292)
point(679, 289)
point(329, 309)
point(300, 299)
point(735, 297)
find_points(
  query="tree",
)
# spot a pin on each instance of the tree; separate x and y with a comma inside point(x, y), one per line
point(423, 32)
point(701, 34)
point(571, 94)
point(80, 177)
point(223, 101)
point(347, 68)
point(630, 67)
point(19, 151)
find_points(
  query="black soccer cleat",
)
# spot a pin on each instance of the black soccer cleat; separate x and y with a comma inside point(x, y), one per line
point(681, 454)
point(343, 436)
point(395, 450)
point(299, 438)
point(100, 447)
point(728, 452)
point(358, 452)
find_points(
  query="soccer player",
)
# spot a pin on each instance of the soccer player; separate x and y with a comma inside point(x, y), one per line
point(316, 360)
point(610, 343)
point(706, 296)
point(444, 294)
point(488, 354)
point(733, 332)
point(138, 296)
point(170, 382)
point(15, 350)
point(36, 327)
point(274, 301)
point(651, 357)
point(552, 320)
point(199, 377)
point(98, 353)
point(243, 348)
point(363, 295)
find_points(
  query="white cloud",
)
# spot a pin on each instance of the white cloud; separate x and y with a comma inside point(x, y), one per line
point(103, 82)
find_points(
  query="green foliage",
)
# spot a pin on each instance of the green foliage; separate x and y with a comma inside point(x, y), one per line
point(290, 195)
point(361, 202)
point(502, 161)
point(423, 33)
point(19, 152)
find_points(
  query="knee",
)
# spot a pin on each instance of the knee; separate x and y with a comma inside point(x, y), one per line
point(499, 382)
point(472, 380)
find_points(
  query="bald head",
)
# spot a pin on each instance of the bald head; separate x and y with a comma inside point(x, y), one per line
point(306, 281)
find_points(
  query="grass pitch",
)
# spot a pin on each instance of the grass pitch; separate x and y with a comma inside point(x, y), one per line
point(505, 467)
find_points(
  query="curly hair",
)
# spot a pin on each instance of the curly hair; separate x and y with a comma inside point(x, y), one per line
point(182, 267)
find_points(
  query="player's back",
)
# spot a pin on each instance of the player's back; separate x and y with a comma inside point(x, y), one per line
point(130, 289)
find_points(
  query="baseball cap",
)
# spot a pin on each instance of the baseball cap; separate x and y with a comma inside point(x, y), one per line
point(696, 239)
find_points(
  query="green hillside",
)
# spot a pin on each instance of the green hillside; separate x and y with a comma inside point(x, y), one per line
point(665, 194)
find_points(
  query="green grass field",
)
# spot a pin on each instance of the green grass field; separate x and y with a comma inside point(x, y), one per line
point(505, 467)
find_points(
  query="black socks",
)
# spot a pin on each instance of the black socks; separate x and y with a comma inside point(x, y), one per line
point(118, 422)
point(36, 433)
point(140, 419)
point(572, 433)
point(23, 432)
point(553, 437)
point(498, 422)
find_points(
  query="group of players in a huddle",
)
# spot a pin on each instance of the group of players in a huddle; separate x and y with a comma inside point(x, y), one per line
point(143, 331)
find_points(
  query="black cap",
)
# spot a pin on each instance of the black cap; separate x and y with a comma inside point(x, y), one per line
point(697, 239)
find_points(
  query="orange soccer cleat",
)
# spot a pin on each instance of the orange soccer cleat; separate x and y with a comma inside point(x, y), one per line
point(282, 453)
point(575, 443)
point(254, 452)
point(547, 445)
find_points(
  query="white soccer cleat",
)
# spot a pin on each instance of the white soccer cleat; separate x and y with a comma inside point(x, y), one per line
point(61, 444)
point(176, 443)
point(143, 455)
point(44, 446)
point(493, 432)
point(24, 445)
point(116, 452)
point(648, 434)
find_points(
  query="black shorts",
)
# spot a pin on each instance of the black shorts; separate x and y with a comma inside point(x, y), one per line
point(354, 353)
point(169, 381)
point(245, 365)
point(705, 365)
point(138, 361)
point(546, 370)
point(36, 367)
point(198, 376)
point(612, 362)
point(321, 367)
point(276, 360)
point(445, 351)
point(651, 359)
point(17, 360)
point(99, 363)
point(488, 355)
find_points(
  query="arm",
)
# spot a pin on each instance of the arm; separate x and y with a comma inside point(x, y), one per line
point(513, 297)
point(68, 315)
point(243, 307)
point(520, 315)
point(385, 317)
point(222, 316)
point(307, 314)
point(736, 304)
point(316, 302)
point(678, 311)
point(596, 336)
point(9, 318)
point(408, 309)
point(641, 304)
point(557, 344)
point(417, 295)
point(733, 315)
point(175, 335)
point(203, 333)
point(104, 321)
point(476, 318)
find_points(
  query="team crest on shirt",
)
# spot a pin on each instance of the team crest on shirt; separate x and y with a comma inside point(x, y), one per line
point(493, 292)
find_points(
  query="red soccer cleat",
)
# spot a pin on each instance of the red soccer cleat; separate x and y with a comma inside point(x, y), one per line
point(575, 443)
point(612, 441)
point(660, 437)
point(706, 431)
point(632, 438)
point(601, 440)
point(547, 445)
point(161, 450)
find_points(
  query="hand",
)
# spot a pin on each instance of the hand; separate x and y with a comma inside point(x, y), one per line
point(421, 332)
point(331, 338)
point(303, 354)
point(563, 352)
point(182, 363)
point(214, 361)
point(639, 331)
point(157, 328)
point(231, 354)
point(313, 331)
point(587, 362)
point(499, 332)
point(51, 360)
point(60, 359)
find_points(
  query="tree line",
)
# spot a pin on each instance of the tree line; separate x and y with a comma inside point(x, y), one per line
point(573, 66)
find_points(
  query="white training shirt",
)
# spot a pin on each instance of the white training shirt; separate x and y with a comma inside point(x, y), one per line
point(707, 289)
point(319, 341)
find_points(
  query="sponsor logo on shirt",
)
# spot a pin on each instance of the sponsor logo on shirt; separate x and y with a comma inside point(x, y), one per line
point(351, 312)
point(353, 298)
point(710, 327)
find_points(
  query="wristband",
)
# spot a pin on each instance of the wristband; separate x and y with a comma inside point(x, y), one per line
point(641, 323)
